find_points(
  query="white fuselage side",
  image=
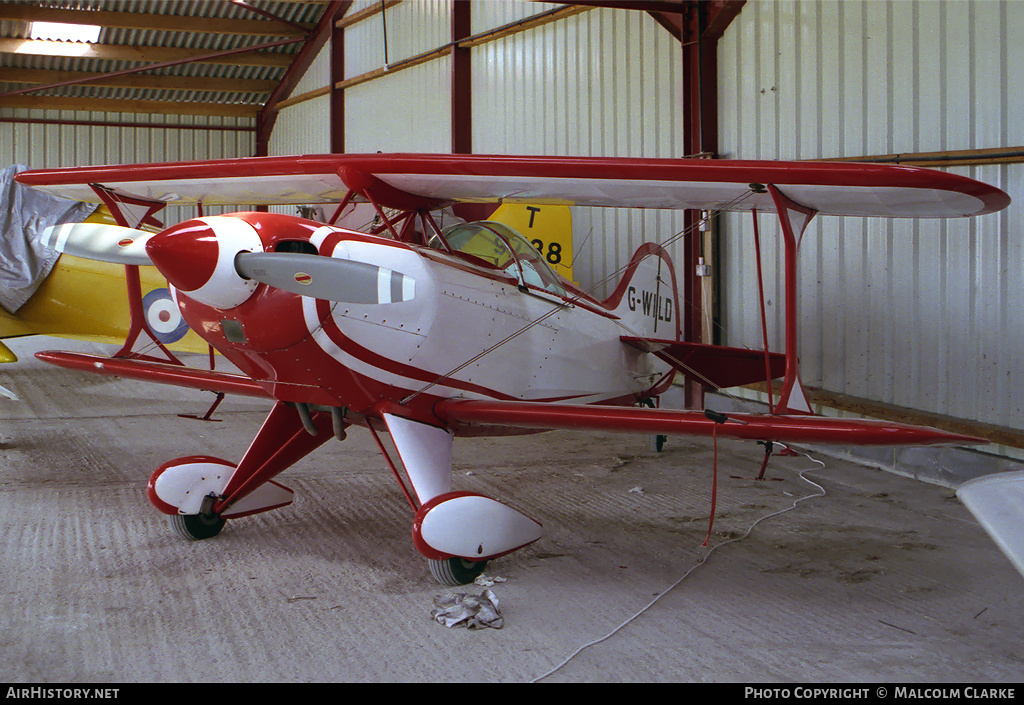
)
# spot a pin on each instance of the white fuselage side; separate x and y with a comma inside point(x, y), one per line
point(471, 331)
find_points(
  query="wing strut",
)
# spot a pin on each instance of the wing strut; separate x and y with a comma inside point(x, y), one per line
point(764, 314)
point(132, 212)
point(794, 219)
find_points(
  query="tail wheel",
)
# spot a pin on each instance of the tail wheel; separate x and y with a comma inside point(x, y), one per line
point(657, 441)
point(456, 571)
point(196, 527)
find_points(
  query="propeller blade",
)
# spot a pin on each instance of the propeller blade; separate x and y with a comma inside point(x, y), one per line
point(99, 241)
point(328, 278)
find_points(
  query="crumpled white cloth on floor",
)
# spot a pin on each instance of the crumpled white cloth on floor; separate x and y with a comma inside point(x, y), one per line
point(470, 611)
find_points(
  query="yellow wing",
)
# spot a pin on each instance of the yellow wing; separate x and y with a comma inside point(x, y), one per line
point(88, 300)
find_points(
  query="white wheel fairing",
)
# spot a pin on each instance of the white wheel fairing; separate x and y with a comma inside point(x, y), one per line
point(472, 526)
point(182, 485)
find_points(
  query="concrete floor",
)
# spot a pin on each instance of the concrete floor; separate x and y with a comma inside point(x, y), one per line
point(827, 572)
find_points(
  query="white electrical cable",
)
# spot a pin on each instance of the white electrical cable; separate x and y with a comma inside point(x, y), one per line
point(803, 476)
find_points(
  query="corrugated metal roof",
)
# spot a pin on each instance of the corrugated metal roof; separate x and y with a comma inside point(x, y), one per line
point(169, 34)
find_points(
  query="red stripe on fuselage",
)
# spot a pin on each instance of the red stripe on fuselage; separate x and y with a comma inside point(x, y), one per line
point(350, 347)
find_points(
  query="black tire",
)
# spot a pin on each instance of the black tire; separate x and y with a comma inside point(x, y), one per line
point(456, 571)
point(196, 527)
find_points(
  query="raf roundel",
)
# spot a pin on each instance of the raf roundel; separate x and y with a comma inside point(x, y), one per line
point(163, 316)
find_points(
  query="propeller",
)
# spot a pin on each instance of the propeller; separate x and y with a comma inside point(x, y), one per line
point(99, 241)
point(329, 278)
point(316, 276)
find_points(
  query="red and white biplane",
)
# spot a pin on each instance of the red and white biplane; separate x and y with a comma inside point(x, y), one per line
point(428, 333)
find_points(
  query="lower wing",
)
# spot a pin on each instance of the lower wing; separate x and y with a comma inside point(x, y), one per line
point(165, 373)
point(465, 413)
point(761, 427)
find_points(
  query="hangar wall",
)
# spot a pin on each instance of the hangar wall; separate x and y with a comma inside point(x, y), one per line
point(602, 82)
point(923, 314)
point(36, 140)
point(304, 128)
point(408, 110)
point(918, 314)
point(33, 138)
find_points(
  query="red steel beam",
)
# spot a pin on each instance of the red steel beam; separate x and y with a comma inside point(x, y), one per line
point(314, 42)
point(337, 96)
point(462, 94)
point(700, 137)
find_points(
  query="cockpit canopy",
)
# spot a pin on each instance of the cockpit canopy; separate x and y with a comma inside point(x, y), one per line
point(498, 246)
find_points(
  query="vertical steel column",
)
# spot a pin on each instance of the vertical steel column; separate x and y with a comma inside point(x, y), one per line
point(337, 100)
point(303, 60)
point(462, 93)
point(700, 136)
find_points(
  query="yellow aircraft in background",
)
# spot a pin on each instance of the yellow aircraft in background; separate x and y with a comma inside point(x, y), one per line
point(548, 228)
point(88, 300)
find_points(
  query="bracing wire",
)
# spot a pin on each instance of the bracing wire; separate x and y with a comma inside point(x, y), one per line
point(515, 334)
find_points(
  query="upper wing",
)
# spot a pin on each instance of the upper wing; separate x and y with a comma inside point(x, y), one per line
point(428, 180)
point(759, 427)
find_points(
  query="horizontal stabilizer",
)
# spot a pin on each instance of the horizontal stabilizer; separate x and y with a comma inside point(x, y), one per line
point(758, 427)
point(163, 373)
point(713, 365)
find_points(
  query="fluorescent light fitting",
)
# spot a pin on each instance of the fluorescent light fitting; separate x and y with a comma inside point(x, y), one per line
point(61, 32)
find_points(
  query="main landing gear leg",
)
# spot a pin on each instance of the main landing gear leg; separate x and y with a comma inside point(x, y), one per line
point(200, 493)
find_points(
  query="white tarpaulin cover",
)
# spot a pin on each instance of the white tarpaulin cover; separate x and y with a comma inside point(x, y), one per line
point(24, 214)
